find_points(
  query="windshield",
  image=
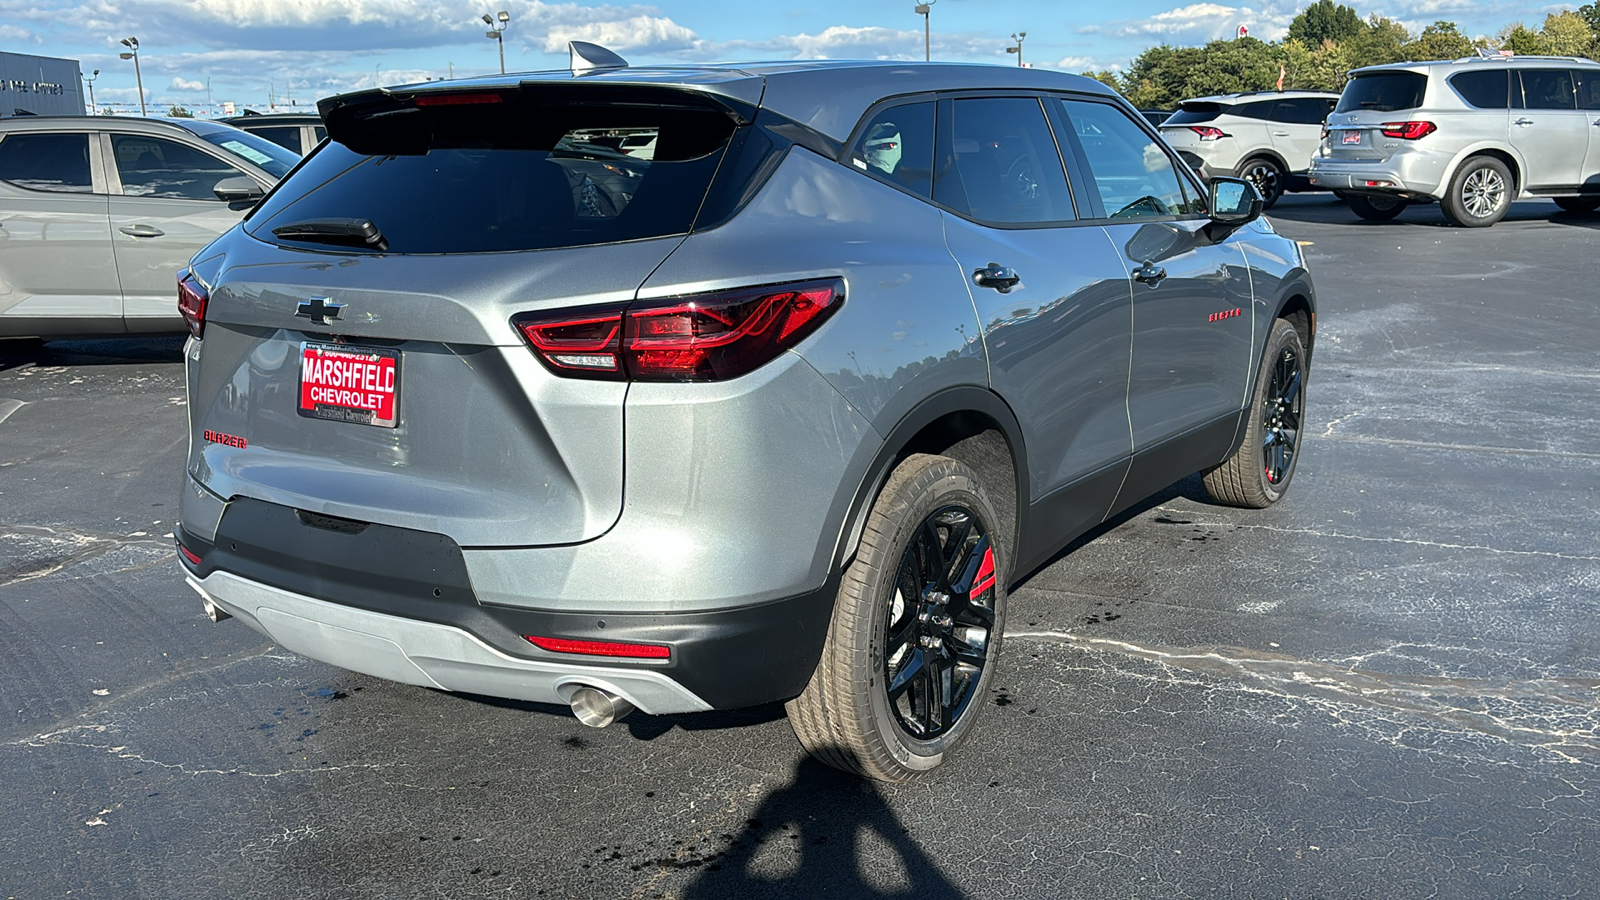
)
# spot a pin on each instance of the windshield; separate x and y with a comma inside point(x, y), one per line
point(263, 154)
point(1383, 92)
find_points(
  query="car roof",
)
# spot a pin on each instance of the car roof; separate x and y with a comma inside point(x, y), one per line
point(290, 118)
point(1515, 62)
point(132, 124)
point(1263, 95)
point(830, 96)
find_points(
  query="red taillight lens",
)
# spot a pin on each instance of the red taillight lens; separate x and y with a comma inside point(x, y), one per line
point(461, 99)
point(1408, 131)
point(707, 337)
point(599, 648)
point(189, 555)
point(192, 302)
point(1208, 133)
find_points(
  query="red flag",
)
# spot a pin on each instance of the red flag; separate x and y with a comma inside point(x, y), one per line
point(1281, 73)
point(1244, 31)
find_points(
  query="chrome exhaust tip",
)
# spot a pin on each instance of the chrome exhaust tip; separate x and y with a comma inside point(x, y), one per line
point(214, 612)
point(598, 708)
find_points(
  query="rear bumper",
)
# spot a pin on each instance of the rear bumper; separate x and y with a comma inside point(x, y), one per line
point(400, 604)
point(1411, 177)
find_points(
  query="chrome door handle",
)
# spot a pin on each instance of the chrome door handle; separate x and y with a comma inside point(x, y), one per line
point(1150, 274)
point(996, 276)
point(1523, 122)
point(141, 230)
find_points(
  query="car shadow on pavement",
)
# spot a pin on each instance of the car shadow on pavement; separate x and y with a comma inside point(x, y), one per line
point(15, 354)
point(816, 837)
point(1191, 487)
point(1426, 215)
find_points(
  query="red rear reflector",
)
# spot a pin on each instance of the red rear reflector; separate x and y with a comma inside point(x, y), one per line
point(1408, 131)
point(464, 99)
point(599, 648)
point(192, 302)
point(1208, 133)
point(707, 337)
point(193, 560)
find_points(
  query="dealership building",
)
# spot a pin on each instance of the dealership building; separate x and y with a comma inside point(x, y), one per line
point(40, 85)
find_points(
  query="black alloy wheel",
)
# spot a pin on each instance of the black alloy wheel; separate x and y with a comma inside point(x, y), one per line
point(1267, 176)
point(1280, 417)
point(938, 622)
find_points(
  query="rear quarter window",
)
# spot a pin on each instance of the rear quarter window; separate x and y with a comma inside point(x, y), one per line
point(1194, 114)
point(1383, 92)
point(1482, 90)
point(41, 161)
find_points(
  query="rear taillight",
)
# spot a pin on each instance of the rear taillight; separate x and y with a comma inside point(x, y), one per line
point(706, 337)
point(600, 648)
point(1408, 131)
point(1208, 133)
point(192, 298)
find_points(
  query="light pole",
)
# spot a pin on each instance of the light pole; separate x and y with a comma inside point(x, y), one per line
point(132, 43)
point(922, 10)
point(498, 34)
point(210, 114)
point(89, 80)
point(1017, 36)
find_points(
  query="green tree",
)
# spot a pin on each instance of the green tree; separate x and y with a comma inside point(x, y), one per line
point(1567, 34)
point(1159, 76)
point(178, 112)
point(1382, 41)
point(1441, 40)
point(1590, 13)
point(1325, 20)
point(1105, 77)
point(1523, 41)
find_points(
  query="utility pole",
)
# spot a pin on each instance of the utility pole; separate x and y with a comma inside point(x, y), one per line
point(132, 43)
point(927, 40)
point(89, 80)
point(210, 113)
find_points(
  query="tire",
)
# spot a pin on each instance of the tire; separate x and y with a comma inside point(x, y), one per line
point(873, 706)
point(1268, 177)
point(1578, 204)
point(1375, 208)
point(1480, 193)
point(1258, 473)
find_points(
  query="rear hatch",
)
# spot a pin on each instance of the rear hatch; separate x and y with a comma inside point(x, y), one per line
point(358, 357)
point(1370, 122)
point(1193, 127)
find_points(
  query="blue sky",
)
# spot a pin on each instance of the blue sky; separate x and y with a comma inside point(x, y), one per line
point(300, 50)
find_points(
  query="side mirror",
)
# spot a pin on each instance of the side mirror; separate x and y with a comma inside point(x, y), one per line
point(1234, 201)
point(238, 188)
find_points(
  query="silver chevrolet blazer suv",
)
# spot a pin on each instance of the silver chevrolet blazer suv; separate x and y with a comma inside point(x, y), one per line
point(691, 388)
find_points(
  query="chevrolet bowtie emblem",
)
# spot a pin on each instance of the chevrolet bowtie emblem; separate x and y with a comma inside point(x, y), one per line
point(319, 310)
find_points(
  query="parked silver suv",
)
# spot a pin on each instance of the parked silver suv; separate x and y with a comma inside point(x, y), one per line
point(1473, 134)
point(482, 402)
point(1267, 137)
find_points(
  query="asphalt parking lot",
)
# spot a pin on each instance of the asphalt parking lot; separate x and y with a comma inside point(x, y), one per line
point(1387, 685)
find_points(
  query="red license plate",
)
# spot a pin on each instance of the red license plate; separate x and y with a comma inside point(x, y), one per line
point(1351, 137)
point(349, 384)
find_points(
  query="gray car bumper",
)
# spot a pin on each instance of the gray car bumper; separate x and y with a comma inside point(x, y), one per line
point(425, 653)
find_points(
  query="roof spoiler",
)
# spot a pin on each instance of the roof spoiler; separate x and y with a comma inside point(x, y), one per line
point(587, 58)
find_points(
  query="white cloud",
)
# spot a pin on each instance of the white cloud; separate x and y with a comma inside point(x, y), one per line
point(17, 33)
point(1200, 22)
point(846, 42)
point(184, 84)
point(642, 31)
point(1086, 64)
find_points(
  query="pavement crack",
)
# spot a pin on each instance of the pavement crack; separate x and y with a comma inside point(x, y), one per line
point(1418, 542)
point(1557, 715)
point(59, 739)
point(1464, 448)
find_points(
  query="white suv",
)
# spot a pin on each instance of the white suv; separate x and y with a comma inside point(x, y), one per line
point(1267, 137)
point(1473, 134)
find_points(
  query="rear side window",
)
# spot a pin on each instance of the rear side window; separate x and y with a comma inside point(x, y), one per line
point(1259, 109)
point(1136, 178)
point(1546, 89)
point(283, 135)
point(1483, 89)
point(156, 167)
point(897, 147)
point(1194, 114)
point(47, 162)
point(1005, 165)
point(1588, 89)
point(511, 175)
point(1301, 111)
point(1383, 92)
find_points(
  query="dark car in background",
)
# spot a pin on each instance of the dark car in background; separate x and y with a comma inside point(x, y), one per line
point(97, 214)
point(482, 401)
point(293, 131)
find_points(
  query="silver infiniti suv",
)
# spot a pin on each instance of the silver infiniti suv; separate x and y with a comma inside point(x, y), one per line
point(479, 401)
point(1474, 134)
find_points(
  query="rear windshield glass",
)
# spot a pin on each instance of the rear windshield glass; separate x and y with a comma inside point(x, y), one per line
point(1383, 92)
point(1194, 114)
point(512, 175)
